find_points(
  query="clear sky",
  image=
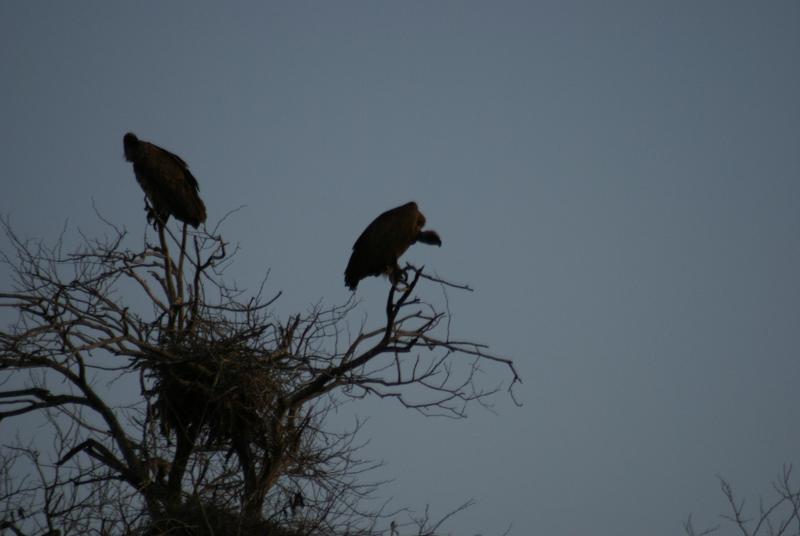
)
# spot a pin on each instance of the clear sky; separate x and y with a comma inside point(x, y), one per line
point(619, 181)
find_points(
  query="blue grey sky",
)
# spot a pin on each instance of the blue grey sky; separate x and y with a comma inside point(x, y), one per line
point(619, 181)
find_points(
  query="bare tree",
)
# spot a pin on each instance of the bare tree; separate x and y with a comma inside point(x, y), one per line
point(225, 432)
point(779, 516)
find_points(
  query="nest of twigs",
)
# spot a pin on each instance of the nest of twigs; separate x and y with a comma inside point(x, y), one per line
point(222, 385)
point(194, 518)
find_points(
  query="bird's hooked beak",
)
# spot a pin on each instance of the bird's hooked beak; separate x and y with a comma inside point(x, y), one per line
point(430, 237)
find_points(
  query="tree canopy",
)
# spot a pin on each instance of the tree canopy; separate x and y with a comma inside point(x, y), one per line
point(176, 403)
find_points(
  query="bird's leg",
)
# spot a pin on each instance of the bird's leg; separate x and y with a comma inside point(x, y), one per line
point(403, 275)
point(394, 274)
point(152, 218)
point(397, 275)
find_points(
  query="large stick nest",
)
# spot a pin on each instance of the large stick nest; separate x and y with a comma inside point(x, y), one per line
point(194, 518)
point(223, 385)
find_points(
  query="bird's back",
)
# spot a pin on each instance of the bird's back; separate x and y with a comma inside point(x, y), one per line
point(383, 241)
point(169, 184)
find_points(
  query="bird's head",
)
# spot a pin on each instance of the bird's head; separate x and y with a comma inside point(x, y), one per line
point(131, 144)
point(429, 237)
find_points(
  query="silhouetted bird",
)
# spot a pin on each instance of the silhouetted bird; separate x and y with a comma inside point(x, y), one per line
point(383, 242)
point(167, 183)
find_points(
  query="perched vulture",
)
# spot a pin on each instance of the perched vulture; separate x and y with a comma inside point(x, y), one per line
point(167, 183)
point(383, 242)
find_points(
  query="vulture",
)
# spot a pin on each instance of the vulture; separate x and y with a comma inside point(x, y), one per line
point(383, 242)
point(169, 186)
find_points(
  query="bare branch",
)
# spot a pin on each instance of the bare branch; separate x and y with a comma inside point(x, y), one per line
point(229, 425)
